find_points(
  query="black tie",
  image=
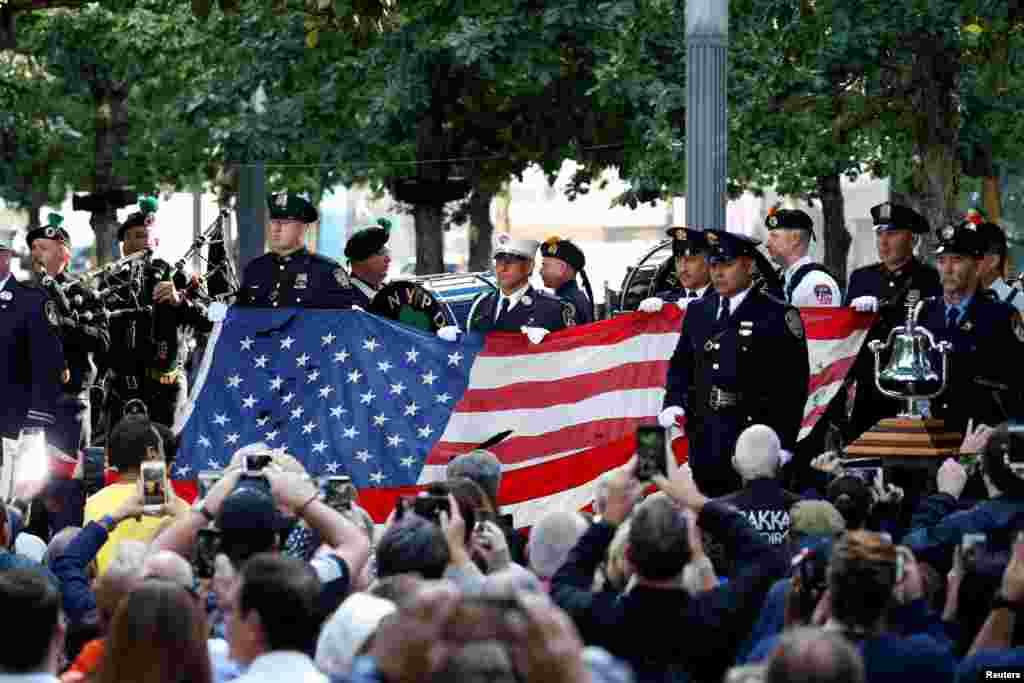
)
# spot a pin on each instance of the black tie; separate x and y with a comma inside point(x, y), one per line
point(722, 322)
point(503, 309)
point(951, 317)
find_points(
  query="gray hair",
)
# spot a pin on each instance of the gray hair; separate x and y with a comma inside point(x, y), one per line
point(482, 467)
point(601, 492)
point(758, 453)
point(813, 654)
point(169, 566)
point(552, 538)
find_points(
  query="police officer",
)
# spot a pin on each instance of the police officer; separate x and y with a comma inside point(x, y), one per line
point(741, 360)
point(83, 331)
point(152, 316)
point(993, 266)
point(882, 287)
point(561, 260)
point(368, 253)
point(517, 306)
point(31, 357)
point(986, 382)
point(805, 283)
point(289, 275)
point(689, 255)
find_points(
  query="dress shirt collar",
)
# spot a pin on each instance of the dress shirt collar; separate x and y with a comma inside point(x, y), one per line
point(800, 262)
point(514, 297)
point(736, 300)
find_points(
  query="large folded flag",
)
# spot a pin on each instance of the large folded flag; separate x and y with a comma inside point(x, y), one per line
point(349, 392)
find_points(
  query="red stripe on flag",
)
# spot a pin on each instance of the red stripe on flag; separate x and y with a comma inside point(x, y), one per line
point(521, 449)
point(543, 394)
point(603, 333)
point(834, 323)
point(833, 373)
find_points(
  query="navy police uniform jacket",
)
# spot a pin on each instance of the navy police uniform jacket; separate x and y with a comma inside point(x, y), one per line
point(682, 294)
point(32, 358)
point(986, 380)
point(300, 279)
point(878, 281)
point(571, 293)
point(535, 309)
point(758, 358)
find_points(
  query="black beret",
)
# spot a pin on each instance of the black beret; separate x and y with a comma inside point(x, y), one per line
point(286, 206)
point(993, 238)
point(366, 242)
point(687, 241)
point(564, 250)
point(962, 238)
point(724, 246)
point(144, 216)
point(53, 230)
point(789, 219)
point(889, 216)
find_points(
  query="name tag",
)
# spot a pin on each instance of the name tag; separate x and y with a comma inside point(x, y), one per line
point(301, 281)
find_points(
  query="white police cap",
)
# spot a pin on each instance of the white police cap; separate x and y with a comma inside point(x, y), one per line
point(504, 243)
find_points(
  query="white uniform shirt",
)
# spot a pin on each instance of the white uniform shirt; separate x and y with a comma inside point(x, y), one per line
point(513, 298)
point(816, 288)
point(1010, 295)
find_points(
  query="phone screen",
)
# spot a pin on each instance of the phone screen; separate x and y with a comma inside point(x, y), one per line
point(254, 464)
point(207, 547)
point(339, 492)
point(650, 450)
point(153, 481)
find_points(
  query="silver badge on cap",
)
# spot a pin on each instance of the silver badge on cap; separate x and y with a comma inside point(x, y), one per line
point(527, 300)
point(948, 232)
point(6, 296)
point(773, 221)
point(885, 211)
point(281, 199)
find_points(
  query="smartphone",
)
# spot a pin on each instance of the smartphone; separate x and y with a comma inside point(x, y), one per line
point(208, 543)
point(32, 462)
point(866, 469)
point(207, 480)
point(254, 463)
point(428, 506)
point(971, 545)
point(153, 482)
point(650, 452)
point(339, 493)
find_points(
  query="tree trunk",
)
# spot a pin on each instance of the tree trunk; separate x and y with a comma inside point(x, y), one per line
point(111, 124)
point(836, 237)
point(429, 238)
point(991, 199)
point(481, 230)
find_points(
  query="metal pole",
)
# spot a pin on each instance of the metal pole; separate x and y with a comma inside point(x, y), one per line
point(197, 227)
point(707, 39)
point(251, 212)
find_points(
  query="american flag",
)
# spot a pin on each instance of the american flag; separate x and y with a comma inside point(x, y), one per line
point(350, 393)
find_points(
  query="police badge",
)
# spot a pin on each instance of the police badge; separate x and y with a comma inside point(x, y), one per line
point(527, 300)
point(301, 281)
point(6, 296)
point(342, 277)
point(948, 232)
point(795, 323)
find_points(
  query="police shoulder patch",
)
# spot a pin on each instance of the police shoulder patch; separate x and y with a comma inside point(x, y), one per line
point(568, 314)
point(342, 277)
point(52, 316)
point(1018, 326)
point(795, 323)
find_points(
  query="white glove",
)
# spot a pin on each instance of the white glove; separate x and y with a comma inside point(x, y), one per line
point(536, 334)
point(865, 304)
point(683, 303)
point(668, 416)
point(449, 333)
point(216, 312)
point(651, 305)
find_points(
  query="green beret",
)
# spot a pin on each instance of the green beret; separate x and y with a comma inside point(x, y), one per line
point(53, 230)
point(286, 206)
point(144, 216)
point(366, 242)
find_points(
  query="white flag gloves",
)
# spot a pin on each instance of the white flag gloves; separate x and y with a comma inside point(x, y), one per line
point(865, 304)
point(651, 305)
point(449, 333)
point(535, 334)
point(668, 417)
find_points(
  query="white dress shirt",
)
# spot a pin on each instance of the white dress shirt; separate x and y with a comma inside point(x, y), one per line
point(282, 666)
point(816, 288)
point(1005, 292)
point(735, 301)
point(513, 299)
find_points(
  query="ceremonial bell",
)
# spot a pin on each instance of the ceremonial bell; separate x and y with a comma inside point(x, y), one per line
point(910, 377)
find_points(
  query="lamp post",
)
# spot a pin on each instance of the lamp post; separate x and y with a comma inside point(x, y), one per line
point(252, 192)
point(707, 39)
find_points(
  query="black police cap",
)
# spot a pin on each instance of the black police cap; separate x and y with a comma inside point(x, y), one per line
point(286, 206)
point(888, 216)
point(789, 219)
point(563, 250)
point(962, 238)
point(724, 246)
point(687, 241)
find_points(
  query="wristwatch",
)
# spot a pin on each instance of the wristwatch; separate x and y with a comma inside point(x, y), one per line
point(1000, 601)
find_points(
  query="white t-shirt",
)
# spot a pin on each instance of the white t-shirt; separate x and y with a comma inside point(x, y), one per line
point(816, 288)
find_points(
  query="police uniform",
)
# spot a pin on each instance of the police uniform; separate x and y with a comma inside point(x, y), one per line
point(685, 242)
point(985, 383)
point(890, 287)
point(301, 279)
point(84, 333)
point(805, 283)
point(729, 372)
point(570, 292)
point(995, 243)
point(31, 357)
point(526, 307)
point(363, 244)
point(149, 341)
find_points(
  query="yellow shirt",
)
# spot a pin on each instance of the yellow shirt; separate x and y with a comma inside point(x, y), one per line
point(105, 502)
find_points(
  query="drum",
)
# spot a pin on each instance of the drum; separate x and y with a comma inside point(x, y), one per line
point(654, 272)
point(411, 303)
point(458, 291)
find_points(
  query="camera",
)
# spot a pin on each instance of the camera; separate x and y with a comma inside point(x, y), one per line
point(255, 463)
point(650, 452)
point(868, 470)
point(424, 505)
point(338, 492)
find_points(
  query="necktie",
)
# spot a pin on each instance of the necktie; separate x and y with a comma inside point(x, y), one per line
point(952, 315)
point(723, 313)
point(503, 309)
point(691, 293)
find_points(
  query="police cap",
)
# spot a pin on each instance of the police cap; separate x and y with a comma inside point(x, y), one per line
point(888, 216)
point(687, 241)
point(286, 206)
point(962, 238)
point(993, 238)
point(724, 246)
point(563, 250)
point(53, 230)
point(505, 244)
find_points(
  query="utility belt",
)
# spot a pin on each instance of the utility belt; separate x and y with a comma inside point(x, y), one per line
point(719, 399)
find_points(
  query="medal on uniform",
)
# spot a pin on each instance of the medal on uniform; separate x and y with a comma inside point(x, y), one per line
point(527, 301)
point(301, 281)
point(746, 328)
point(708, 345)
point(967, 326)
point(6, 296)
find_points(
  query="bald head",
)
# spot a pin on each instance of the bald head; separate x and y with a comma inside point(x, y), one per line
point(552, 538)
point(758, 453)
point(170, 567)
point(812, 655)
